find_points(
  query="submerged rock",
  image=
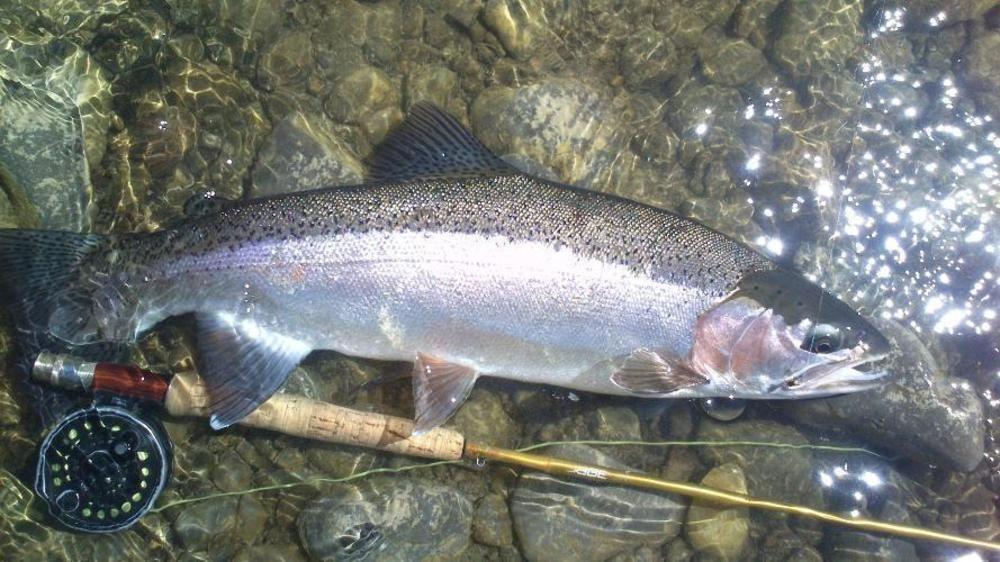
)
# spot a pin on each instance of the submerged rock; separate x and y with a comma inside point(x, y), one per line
point(521, 27)
point(214, 524)
point(815, 34)
point(303, 154)
point(287, 63)
point(364, 90)
point(650, 60)
point(387, 519)
point(562, 124)
point(491, 525)
point(16, 210)
point(921, 11)
point(730, 62)
point(772, 473)
point(482, 419)
point(981, 71)
point(751, 21)
point(559, 519)
point(861, 547)
point(24, 535)
point(921, 413)
point(195, 128)
point(436, 84)
point(271, 553)
point(55, 104)
point(721, 533)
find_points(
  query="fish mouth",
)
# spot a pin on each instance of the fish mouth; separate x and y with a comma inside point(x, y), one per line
point(843, 372)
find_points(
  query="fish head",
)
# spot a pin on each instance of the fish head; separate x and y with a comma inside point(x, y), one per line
point(780, 336)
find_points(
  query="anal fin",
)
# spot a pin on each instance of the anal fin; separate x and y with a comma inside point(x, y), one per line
point(439, 388)
point(646, 372)
point(243, 364)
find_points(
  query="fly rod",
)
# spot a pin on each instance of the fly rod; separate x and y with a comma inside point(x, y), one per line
point(184, 394)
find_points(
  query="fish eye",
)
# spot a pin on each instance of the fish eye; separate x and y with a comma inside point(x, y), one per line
point(823, 338)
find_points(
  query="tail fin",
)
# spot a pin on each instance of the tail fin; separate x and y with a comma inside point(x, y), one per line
point(42, 289)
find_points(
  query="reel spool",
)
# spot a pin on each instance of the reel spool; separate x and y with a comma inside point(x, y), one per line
point(102, 468)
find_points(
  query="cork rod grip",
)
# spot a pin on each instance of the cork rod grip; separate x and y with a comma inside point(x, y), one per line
point(312, 419)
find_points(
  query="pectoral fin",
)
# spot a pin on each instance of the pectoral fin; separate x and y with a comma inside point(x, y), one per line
point(647, 372)
point(439, 388)
point(243, 364)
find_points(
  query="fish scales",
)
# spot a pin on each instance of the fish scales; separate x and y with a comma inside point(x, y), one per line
point(334, 257)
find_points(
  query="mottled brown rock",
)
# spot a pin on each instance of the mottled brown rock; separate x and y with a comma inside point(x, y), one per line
point(721, 533)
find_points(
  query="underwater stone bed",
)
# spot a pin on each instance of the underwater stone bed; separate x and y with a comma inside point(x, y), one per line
point(115, 113)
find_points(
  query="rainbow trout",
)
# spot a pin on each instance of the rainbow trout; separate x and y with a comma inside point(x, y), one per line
point(454, 260)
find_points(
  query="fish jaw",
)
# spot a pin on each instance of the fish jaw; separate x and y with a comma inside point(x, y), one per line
point(750, 351)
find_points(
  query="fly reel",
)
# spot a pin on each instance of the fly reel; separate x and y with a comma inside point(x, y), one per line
point(102, 467)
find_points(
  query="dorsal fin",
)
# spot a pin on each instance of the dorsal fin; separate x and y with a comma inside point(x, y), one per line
point(430, 143)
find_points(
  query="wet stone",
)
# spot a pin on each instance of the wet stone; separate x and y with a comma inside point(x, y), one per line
point(16, 209)
point(721, 533)
point(605, 423)
point(10, 410)
point(649, 60)
point(482, 419)
point(858, 547)
point(7, 217)
point(377, 124)
point(303, 154)
point(232, 473)
point(529, 166)
point(817, 33)
point(383, 519)
point(362, 91)
point(213, 524)
point(921, 412)
point(714, 12)
point(730, 62)
point(938, 49)
point(382, 27)
point(55, 103)
point(656, 144)
point(562, 124)
point(679, 551)
point(520, 26)
point(920, 12)
point(559, 519)
point(435, 84)
point(751, 21)
point(197, 130)
point(981, 71)
point(778, 474)
point(682, 25)
point(252, 19)
point(705, 111)
point(782, 543)
point(287, 62)
point(895, 51)
point(271, 553)
point(336, 461)
point(491, 523)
